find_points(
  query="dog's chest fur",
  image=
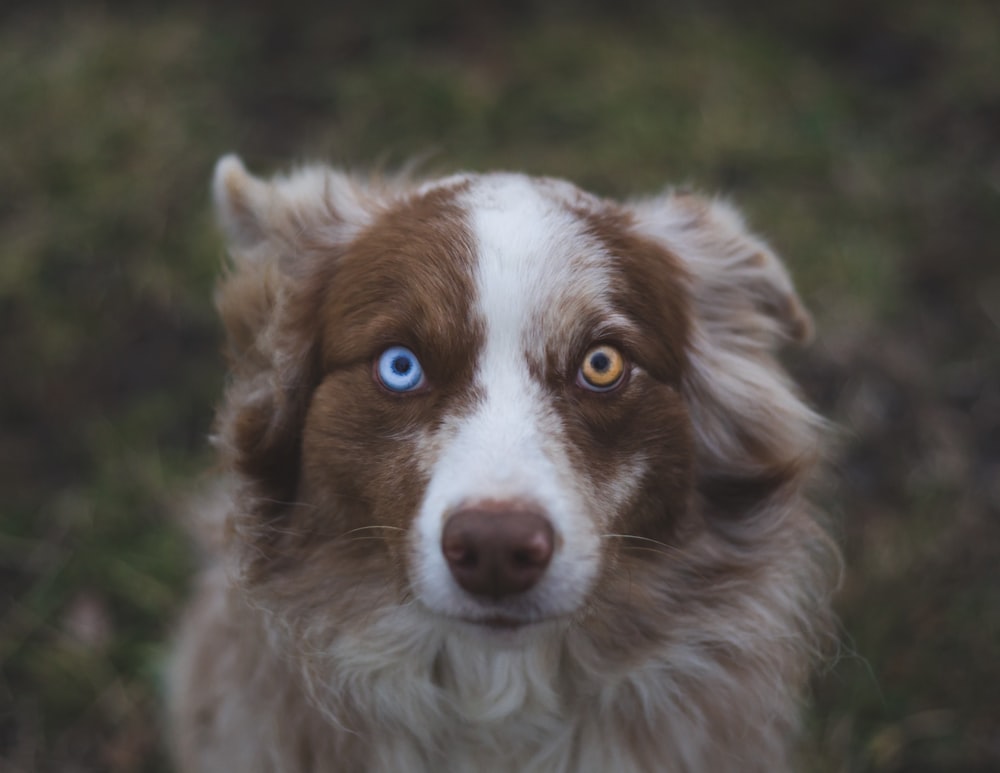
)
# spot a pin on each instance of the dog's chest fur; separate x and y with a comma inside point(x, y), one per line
point(404, 697)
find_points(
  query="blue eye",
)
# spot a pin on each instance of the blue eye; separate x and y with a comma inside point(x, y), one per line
point(399, 369)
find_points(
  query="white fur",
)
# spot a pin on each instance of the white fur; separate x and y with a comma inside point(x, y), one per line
point(533, 260)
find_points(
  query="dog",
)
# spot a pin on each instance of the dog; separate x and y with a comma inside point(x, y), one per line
point(513, 481)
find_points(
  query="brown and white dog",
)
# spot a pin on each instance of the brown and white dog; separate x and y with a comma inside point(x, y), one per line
point(515, 484)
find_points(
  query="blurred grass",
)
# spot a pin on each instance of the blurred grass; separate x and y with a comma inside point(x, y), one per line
point(861, 138)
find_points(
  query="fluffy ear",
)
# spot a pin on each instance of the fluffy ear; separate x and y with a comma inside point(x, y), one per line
point(246, 296)
point(740, 288)
point(241, 203)
point(274, 229)
point(755, 435)
point(283, 235)
point(313, 202)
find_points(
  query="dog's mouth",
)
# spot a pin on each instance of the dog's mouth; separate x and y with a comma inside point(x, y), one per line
point(503, 622)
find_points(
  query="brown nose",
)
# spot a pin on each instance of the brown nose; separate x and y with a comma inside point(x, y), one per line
point(497, 552)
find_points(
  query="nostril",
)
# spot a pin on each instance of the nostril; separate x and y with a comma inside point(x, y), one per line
point(459, 553)
point(497, 551)
point(536, 550)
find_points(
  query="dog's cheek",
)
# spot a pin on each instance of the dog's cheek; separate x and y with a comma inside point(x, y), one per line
point(664, 431)
point(640, 441)
point(360, 471)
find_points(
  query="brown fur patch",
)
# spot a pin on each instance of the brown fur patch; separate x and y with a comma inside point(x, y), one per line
point(651, 288)
point(324, 449)
point(406, 281)
point(644, 420)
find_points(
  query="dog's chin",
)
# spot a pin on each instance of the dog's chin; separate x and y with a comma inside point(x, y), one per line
point(505, 633)
point(502, 623)
point(504, 629)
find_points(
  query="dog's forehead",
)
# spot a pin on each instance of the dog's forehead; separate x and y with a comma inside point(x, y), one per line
point(538, 267)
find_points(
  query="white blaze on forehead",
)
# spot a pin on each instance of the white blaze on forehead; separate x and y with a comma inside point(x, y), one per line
point(534, 257)
point(535, 267)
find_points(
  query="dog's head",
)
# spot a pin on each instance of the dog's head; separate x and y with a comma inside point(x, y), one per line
point(501, 400)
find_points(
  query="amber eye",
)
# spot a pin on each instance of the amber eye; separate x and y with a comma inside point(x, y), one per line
point(603, 368)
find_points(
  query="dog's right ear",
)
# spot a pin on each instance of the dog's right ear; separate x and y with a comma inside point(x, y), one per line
point(246, 297)
point(314, 202)
point(277, 231)
point(284, 236)
point(241, 203)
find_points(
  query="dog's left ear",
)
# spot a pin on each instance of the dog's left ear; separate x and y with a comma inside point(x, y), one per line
point(752, 428)
point(739, 286)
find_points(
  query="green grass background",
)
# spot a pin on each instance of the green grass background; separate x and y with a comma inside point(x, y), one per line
point(863, 138)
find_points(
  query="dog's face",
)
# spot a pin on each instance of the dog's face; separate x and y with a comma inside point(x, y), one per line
point(496, 396)
point(500, 380)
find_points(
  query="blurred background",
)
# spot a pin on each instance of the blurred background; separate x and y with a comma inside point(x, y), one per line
point(863, 138)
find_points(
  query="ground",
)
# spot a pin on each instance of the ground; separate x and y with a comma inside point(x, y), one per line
point(861, 137)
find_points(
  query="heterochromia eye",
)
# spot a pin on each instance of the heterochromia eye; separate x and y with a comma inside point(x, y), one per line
point(603, 368)
point(399, 370)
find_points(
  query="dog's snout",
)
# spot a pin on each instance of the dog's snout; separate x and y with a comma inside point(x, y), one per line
point(497, 551)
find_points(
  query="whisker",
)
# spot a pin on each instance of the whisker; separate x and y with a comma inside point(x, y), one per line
point(334, 495)
point(636, 537)
point(661, 548)
point(311, 532)
point(374, 526)
point(640, 549)
point(272, 501)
